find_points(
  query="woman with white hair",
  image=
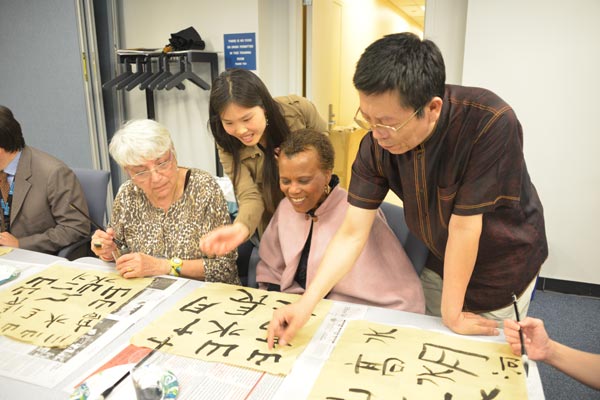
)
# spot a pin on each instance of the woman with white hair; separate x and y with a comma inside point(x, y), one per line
point(162, 211)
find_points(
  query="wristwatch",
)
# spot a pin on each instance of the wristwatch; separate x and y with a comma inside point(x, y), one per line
point(176, 264)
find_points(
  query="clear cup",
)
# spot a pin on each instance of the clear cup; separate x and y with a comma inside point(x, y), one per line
point(148, 381)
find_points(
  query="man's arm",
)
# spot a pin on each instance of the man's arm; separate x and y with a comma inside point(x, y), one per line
point(62, 225)
point(461, 253)
point(340, 256)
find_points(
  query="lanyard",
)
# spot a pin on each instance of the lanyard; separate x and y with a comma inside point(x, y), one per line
point(6, 207)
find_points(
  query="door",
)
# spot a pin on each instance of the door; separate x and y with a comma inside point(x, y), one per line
point(324, 20)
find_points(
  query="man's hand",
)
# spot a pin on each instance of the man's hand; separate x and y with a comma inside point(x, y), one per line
point(224, 239)
point(286, 322)
point(6, 239)
point(466, 323)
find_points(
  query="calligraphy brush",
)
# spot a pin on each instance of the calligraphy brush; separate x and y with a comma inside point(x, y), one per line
point(524, 356)
point(108, 390)
point(118, 242)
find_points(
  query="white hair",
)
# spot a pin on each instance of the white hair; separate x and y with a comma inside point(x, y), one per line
point(140, 141)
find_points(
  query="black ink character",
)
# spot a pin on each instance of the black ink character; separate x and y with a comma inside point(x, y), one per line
point(449, 357)
point(367, 395)
point(247, 303)
point(216, 346)
point(196, 306)
point(390, 366)
point(223, 331)
point(379, 335)
point(186, 329)
point(263, 357)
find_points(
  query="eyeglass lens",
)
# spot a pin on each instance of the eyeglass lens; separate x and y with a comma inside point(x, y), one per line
point(144, 175)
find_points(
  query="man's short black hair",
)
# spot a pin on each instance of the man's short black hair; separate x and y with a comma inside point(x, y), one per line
point(11, 136)
point(404, 63)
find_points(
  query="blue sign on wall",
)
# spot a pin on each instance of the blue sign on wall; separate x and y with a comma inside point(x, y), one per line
point(240, 50)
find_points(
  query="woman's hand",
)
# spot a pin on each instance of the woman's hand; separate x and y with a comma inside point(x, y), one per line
point(103, 245)
point(224, 239)
point(139, 265)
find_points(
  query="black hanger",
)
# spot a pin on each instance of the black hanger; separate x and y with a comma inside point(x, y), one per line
point(185, 72)
point(161, 85)
point(161, 68)
point(147, 72)
point(166, 74)
point(121, 77)
point(138, 71)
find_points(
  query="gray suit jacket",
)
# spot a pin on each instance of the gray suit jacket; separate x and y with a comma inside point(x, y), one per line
point(40, 215)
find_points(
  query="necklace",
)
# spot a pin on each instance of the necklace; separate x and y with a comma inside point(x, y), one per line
point(176, 188)
point(174, 197)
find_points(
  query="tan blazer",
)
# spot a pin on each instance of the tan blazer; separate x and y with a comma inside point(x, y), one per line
point(40, 215)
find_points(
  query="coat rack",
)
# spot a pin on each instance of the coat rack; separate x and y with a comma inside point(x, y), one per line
point(153, 71)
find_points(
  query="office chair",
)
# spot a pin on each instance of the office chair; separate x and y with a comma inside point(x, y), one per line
point(247, 261)
point(416, 250)
point(94, 184)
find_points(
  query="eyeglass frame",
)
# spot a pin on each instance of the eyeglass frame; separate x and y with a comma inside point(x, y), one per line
point(159, 168)
point(371, 127)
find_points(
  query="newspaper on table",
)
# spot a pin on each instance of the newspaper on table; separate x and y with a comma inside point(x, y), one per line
point(47, 366)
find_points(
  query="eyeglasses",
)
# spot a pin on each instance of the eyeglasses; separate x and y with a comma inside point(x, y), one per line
point(161, 168)
point(367, 125)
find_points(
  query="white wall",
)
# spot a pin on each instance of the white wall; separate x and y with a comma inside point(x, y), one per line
point(279, 49)
point(445, 24)
point(149, 23)
point(543, 58)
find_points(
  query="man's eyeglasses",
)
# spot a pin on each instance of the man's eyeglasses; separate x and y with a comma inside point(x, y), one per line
point(358, 118)
point(161, 168)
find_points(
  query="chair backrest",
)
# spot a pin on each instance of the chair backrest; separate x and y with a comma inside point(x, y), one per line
point(415, 249)
point(94, 184)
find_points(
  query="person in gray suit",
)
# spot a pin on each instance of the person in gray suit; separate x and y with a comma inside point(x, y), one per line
point(36, 192)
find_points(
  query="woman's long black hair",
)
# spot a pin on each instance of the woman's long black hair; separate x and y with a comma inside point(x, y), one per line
point(245, 89)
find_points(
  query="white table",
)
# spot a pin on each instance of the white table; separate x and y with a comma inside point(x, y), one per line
point(294, 383)
point(27, 256)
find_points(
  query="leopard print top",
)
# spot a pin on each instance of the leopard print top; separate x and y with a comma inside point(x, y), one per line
point(176, 233)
